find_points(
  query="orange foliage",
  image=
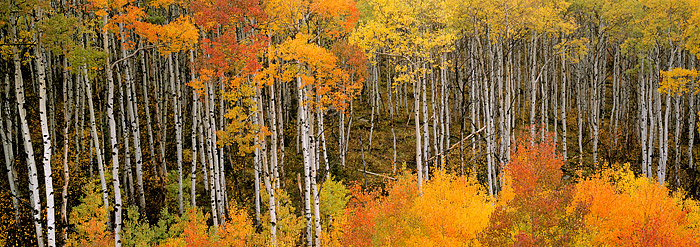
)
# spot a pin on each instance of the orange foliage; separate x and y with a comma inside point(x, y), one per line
point(532, 204)
point(632, 211)
point(451, 212)
point(90, 219)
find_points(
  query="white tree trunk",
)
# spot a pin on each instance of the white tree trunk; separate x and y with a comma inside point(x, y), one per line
point(416, 120)
point(5, 137)
point(28, 148)
point(306, 152)
point(113, 139)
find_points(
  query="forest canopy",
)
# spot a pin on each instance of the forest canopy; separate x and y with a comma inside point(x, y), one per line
point(349, 122)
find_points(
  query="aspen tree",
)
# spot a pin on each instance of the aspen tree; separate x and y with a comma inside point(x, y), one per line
point(28, 147)
point(46, 135)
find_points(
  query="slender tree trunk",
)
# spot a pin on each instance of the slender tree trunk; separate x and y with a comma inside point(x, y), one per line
point(96, 141)
point(210, 156)
point(151, 149)
point(677, 150)
point(416, 120)
point(195, 101)
point(113, 139)
point(301, 94)
point(28, 148)
point(175, 85)
point(564, 89)
point(7, 148)
point(46, 136)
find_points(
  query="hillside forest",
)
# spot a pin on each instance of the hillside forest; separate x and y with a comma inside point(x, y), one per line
point(349, 122)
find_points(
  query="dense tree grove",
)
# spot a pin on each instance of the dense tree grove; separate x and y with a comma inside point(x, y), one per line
point(349, 122)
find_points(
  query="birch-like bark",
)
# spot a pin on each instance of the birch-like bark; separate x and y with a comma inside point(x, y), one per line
point(28, 147)
point(195, 101)
point(175, 85)
point(416, 120)
point(113, 139)
point(677, 150)
point(132, 112)
point(564, 89)
point(212, 176)
point(306, 152)
point(67, 103)
point(272, 109)
point(642, 98)
point(125, 138)
point(692, 115)
point(46, 137)
point(5, 137)
point(147, 110)
point(426, 131)
point(259, 119)
point(96, 141)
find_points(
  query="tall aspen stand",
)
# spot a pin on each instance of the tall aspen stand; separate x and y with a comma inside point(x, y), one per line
point(112, 135)
point(45, 134)
point(28, 148)
point(306, 152)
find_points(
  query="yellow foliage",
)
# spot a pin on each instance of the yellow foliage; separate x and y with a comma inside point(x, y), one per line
point(675, 81)
point(91, 219)
point(453, 210)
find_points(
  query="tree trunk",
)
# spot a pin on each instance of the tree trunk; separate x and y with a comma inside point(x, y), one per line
point(302, 113)
point(28, 148)
point(113, 139)
point(7, 147)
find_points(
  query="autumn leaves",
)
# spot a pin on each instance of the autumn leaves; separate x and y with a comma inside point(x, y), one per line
point(536, 207)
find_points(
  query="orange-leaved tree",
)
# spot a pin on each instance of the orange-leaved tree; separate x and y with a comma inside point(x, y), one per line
point(452, 211)
point(626, 210)
point(531, 208)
